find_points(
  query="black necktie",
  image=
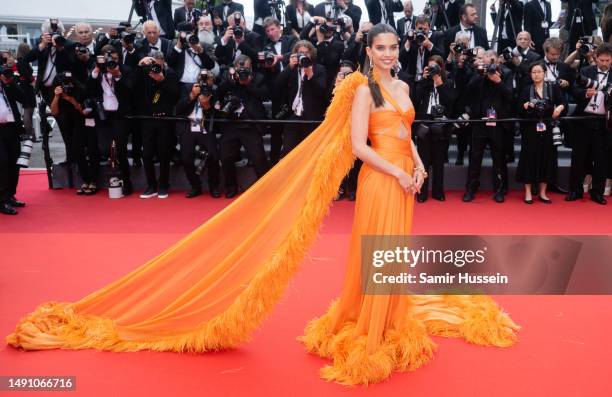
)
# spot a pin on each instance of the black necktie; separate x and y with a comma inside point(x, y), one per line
point(551, 63)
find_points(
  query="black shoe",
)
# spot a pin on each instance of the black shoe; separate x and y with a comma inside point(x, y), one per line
point(231, 193)
point(498, 197)
point(558, 189)
point(573, 196)
point(194, 192)
point(468, 196)
point(598, 198)
point(150, 192)
point(438, 196)
point(352, 196)
point(162, 193)
point(214, 192)
point(13, 202)
point(7, 209)
point(545, 200)
point(127, 189)
point(530, 201)
point(421, 198)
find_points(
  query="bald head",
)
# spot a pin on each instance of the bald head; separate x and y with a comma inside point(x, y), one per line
point(523, 40)
point(84, 33)
point(150, 29)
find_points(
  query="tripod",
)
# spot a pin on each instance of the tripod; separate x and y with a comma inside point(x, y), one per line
point(504, 6)
point(440, 10)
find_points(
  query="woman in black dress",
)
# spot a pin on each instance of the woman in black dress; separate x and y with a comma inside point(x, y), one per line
point(298, 13)
point(538, 101)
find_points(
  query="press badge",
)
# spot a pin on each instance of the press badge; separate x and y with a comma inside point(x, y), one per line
point(544, 24)
point(195, 126)
point(90, 122)
point(491, 115)
point(540, 126)
point(578, 19)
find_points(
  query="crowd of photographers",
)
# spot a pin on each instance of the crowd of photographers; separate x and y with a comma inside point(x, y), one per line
point(198, 65)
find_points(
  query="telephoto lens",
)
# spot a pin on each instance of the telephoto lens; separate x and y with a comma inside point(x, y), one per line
point(434, 70)
point(26, 152)
point(557, 136)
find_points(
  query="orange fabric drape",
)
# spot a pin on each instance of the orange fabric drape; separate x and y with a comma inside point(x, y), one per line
point(213, 288)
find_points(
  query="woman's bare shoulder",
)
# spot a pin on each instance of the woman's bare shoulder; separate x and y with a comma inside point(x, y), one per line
point(363, 93)
point(401, 85)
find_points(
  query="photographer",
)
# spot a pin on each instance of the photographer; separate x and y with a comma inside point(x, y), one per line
point(519, 59)
point(407, 22)
point(592, 95)
point(580, 20)
point(492, 98)
point(67, 105)
point(158, 86)
point(207, 33)
point(557, 71)
point(54, 56)
point(329, 46)
point(197, 106)
point(305, 84)
point(83, 64)
point(468, 24)
point(418, 47)
point(237, 40)
point(460, 66)
point(272, 61)
point(537, 17)
point(334, 9)
point(226, 9)
point(434, 99)
point(298, 14)
point(152, 40)
point(242, 92)
point(11, 129)
point(187, 13)
point(382, 11)
point(84, 35)
point(356, 48)
point(113, 37)
point(187, 58)
point(111, 87)
point(159, 12)
point(584, 54)
point(25, 82)
point(538, 158)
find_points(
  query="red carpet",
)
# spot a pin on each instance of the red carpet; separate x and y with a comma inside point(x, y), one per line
point(63, 246)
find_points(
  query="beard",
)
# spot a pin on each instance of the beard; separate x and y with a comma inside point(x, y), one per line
point(206, 37)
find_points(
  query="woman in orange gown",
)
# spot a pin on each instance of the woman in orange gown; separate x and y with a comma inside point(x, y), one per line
point(213, 288)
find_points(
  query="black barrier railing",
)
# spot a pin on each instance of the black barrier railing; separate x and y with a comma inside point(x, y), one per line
point(46, 129)
point(458, 121)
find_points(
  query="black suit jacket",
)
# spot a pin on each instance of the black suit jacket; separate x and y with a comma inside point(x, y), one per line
point(375, 12)
point(252, 44)
point(130, 59)
point(163, 10)
point(232, 8)
point(180, 15)
point(452, 12)
point(63, 60)
point(408, 59)
point(144, 48)
point(401, 25)
point(176, 60)
point(579, 91)
point(123, 90)
point(532, 20)
point(14, 94)
point(291, 16)
point(446, 97)
point(313, 91)
point(480, 37)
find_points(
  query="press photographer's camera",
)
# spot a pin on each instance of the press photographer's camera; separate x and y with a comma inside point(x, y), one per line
point(66, 82)
point(587, 45)
point(304, 61)
point(539, 105)
point(152, 67)
point(418, 36)
point(231, 105)
point(434, 70)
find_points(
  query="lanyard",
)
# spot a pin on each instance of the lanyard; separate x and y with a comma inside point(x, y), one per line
point(52, 56)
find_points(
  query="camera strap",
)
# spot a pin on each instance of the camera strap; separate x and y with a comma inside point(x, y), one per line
point(9, 116)
point(52, 55)
point(196, 59)
point(434, 99)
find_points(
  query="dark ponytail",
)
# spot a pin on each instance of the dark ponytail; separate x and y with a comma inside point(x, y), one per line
point(377, 29)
